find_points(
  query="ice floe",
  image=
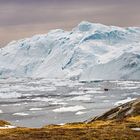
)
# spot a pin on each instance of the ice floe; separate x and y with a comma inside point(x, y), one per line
point(76, 93)
point(69, 109)
point(79, 113)
point(81, 98)
point(20, 114)
point(128, 99)
point(94, 91)
point(35, 109)
point(8, 95)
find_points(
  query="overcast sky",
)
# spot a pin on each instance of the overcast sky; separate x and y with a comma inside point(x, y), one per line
point(24, 18)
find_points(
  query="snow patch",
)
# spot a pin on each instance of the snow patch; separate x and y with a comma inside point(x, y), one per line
point(7, 127)
point(136, 129)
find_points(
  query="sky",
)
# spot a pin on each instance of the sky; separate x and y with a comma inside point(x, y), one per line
point(24, 18)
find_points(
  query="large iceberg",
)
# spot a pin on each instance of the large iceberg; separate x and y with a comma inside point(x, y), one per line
point(89, 52)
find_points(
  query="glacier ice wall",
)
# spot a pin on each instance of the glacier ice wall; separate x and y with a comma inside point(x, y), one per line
point(89, 52)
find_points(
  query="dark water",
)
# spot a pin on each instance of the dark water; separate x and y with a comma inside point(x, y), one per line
point(37, 102)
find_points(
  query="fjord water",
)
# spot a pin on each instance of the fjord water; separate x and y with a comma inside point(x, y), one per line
point(38, 102)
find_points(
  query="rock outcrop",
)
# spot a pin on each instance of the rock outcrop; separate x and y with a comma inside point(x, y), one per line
point(130, 109)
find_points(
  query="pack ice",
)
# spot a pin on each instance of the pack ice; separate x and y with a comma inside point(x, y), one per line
point(89, 52)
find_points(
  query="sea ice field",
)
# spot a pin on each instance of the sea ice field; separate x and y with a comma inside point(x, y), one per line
point(37, 102)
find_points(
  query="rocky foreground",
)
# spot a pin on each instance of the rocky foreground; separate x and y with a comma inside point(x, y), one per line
point(120, 123)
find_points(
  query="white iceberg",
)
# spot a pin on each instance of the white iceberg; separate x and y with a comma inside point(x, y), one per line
point(89, 52)
point(69, 109)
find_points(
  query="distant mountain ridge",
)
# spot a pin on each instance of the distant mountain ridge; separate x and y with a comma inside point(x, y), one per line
point(89, 52)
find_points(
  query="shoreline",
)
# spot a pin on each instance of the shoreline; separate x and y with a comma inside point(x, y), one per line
point(122, 122)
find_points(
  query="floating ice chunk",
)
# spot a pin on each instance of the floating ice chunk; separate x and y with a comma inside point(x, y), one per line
point(52, 101)
point(61, 83)
point(44, 99)
point(1, 111)
point(35, 109)
point(69, 109)
point(4, 105)
point(40, 88)
point(58, 103)
point(93, 91)
point(10, 95)
point(81, 98)
point(100, 97)
point(135, 93)
point(79, 113)
point(106, 101)
point(16, 104)
point(124, 101)
point(25, 103)
point(75, 84)
point(90, 89)
point(20, 114)
point(128, 87)
point(76, 93)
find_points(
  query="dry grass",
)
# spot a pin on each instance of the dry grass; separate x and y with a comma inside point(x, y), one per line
point(98, 130)
point(134, 119)
point(118, 127)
